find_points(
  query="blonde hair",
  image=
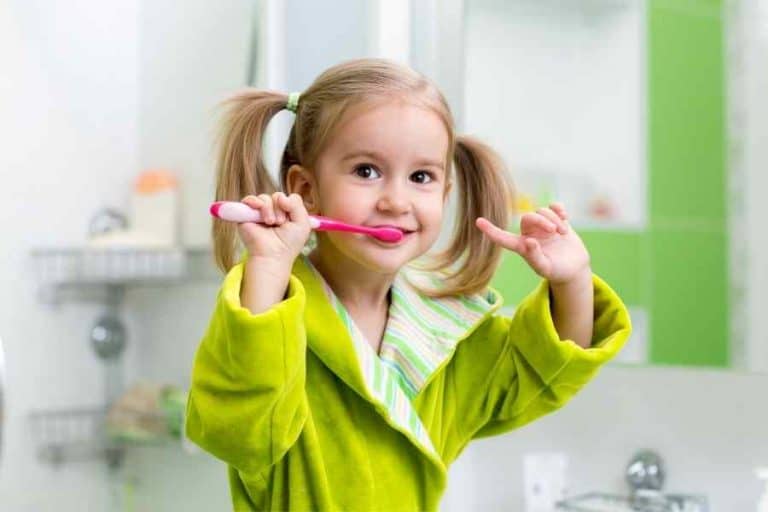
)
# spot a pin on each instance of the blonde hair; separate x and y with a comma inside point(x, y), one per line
point(484, 187)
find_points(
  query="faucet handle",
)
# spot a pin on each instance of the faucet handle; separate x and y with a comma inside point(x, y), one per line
point(645, 471)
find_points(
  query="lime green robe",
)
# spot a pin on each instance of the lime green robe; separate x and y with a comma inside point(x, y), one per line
point(308, 417)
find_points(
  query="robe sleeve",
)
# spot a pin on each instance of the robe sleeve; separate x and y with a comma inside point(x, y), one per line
point(534, 371)
point(247, 402)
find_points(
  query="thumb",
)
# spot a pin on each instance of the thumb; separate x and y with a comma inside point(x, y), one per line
point(536, 257)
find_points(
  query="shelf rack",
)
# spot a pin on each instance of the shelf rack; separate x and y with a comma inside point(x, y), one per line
point(85, 274)
point(101, 275)
point(69, 435)
point(649, 502)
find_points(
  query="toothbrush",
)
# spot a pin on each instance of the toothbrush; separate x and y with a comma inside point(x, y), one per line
point(234, 211)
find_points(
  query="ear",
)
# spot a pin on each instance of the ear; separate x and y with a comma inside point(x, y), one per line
point(301, 181)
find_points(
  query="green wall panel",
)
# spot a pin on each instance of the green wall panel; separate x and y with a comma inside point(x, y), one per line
point(618, 257)
point(687, 184)
point(686, 118)
point(676, 269)
point(688, 308)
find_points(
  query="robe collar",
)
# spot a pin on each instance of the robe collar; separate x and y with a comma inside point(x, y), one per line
point(421, 336)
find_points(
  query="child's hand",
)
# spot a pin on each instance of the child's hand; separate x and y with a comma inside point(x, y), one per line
point(547, 243)
point(284, 231)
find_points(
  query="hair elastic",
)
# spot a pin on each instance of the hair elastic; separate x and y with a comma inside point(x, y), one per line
point(293, 101)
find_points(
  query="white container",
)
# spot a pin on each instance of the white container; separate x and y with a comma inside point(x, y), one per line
point(154, 207)
point(153, 215)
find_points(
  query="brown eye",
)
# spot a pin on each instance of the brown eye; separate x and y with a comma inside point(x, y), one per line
point(366, 171)
point(421, 177)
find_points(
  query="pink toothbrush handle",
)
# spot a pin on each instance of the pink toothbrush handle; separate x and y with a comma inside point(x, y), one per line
point(239, 212)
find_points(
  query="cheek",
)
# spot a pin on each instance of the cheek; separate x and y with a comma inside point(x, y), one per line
point(345, 205)
point(435, 208)
point(433, 216)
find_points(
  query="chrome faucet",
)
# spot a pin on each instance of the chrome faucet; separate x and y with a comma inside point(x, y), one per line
point(645, 475)
point(645, 471)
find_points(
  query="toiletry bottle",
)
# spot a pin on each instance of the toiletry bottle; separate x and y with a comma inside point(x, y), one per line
point(154, 213)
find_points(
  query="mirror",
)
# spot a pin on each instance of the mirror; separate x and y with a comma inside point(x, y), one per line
point(570, 97)
point(644, 119)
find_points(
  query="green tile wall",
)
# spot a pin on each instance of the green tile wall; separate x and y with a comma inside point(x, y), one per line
point(687, 183)
point(677, 267)
point(619, 258)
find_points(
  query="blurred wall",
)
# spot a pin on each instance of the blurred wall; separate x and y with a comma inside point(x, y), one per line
point(709, 426)
point(69, 137)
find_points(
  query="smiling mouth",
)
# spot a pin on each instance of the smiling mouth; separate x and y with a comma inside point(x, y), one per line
point(406, 235)
point(403, 230)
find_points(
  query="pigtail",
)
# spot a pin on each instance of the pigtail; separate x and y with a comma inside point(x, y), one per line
point(240, 168)
point(485, 190)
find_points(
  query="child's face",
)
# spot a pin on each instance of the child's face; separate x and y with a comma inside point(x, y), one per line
point(385, 165)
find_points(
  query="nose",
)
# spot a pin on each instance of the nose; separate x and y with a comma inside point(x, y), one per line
point(394, 200)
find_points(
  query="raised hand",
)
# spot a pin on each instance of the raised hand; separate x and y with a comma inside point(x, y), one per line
point(284, 231)
point(546, 242)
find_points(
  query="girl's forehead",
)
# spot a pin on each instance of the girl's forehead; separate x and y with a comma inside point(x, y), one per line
point(391, 127)
point(363, 112)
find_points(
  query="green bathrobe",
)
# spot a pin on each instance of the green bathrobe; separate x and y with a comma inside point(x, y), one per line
point(310, 418)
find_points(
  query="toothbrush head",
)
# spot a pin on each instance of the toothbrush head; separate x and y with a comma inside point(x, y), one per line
point(387, 234)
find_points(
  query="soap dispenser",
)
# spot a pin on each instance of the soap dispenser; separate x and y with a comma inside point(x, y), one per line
point(762, 504)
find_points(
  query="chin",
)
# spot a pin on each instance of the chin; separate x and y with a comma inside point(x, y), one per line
point(378, 256)
point(383, 257)
point(380, 261)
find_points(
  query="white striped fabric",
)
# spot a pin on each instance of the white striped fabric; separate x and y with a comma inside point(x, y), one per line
point(421, 333)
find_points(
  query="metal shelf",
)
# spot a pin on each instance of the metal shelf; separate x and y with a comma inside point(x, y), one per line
point(70, 435)
point(642, 502)
point(110, 265)
point(101, 274)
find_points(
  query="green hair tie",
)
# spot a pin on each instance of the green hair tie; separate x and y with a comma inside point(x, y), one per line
point(293, 101)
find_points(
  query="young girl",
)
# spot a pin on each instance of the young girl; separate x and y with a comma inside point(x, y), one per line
point(337, 378)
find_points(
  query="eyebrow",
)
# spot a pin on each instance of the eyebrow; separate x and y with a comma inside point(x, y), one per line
point(377, 156)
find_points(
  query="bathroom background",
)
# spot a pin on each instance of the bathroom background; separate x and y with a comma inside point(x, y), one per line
point(648, 118)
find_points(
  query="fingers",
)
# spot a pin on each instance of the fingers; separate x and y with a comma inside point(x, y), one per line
point(559, 209)
point(275, 209)
point(547, 220)
point(554, 218)
point(294, 207)
point(262, 203)
point(527, 247)
point(280, 216)
point(536, 257)
point(532, 222)
point(504, 238)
